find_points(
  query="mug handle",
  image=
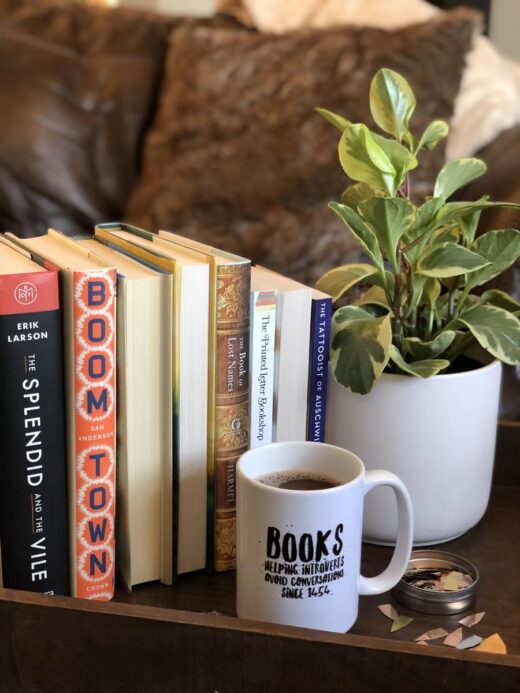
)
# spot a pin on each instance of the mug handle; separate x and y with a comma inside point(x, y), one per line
point(403, 546)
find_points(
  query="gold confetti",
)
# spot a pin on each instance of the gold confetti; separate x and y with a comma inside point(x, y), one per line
point(472, 620)
point(389, 611)
point(454, 638)
point(493, 644)
point(400, 622)
point(434, 634)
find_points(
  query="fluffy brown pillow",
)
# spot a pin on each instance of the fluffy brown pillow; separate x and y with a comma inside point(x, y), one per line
point(237, 156)
point(77, 88)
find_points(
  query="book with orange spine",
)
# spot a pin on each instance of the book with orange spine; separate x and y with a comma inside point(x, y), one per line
point(88, 288)
point(185, 500)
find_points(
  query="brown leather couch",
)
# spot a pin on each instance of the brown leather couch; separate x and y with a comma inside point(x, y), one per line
point(79, 88)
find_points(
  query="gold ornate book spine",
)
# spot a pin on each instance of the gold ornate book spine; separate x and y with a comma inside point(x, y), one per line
point(232, 401)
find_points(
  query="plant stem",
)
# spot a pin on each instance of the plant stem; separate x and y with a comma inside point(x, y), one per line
point(429, 327)
point(397, 326)
point(462, 299)
point(460, 347)
point(452, 298)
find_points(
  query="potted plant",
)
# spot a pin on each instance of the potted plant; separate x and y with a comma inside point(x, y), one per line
point(417, 309)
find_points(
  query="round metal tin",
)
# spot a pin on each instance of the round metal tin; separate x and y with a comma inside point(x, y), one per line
point(431, 602)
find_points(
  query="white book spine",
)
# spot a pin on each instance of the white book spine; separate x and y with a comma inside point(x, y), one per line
point(262, 349)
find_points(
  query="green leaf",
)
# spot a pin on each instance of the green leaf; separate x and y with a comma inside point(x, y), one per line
point(496, 330)
point(402, 160)
point(363, 159)
point(337, 281)
point(420, 369)
point(422, 228)
point(354, 195)
point(432, 290)
point(457, 173)
point(412, 141)
point(418, 282)
point(360, 348)
point(361, 231)
point(500, 299)
point(500, 248)
point(429, 350)
point(390, 219)
point(452, 211)
point(374, 296)
point(450, 260)
point(468, 223)
point(338, 121)
point(434, 133)
point(426, 217)
point(385, 280)
point(392, 102)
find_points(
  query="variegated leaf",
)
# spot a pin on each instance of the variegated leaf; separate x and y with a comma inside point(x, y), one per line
point(418, 282)
point(496, 330)
point(429, 350)
point(432, 290)
point(392, 102)
point(335, 119)
point(401, 158)
point(363, 159)
point(420, 369)
point(434, 133)
point(390, 219)
point(374, 296)
point(339, 280)
point(452, 211)
point(354, 195)
point(361, 231)
point(360, 348)
point(468, 222)
point(450, 260)
point(456, 174)
point(425, 224)
point(500, 299)
point(501, 249)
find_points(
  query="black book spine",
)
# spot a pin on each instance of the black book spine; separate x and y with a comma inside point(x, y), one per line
point(33, 475)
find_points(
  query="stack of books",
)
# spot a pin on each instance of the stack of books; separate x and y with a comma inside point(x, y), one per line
point(137, 367)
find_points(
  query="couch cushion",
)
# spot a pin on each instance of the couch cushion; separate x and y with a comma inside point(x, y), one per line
point(77, 88)
point(237, 157)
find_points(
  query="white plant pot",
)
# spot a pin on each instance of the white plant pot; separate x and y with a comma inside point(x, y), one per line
point(437, 435)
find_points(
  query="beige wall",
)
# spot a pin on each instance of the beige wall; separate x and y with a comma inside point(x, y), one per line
point(505, 27)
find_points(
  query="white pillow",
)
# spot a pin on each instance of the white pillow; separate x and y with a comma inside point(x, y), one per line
point(488, 102)
point(279, 16)
point(489, 98)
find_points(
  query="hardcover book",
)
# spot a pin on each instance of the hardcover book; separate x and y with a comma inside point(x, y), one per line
point(228, 423)
point(33, 481)
point(190, 389)
point(166, 269)
point(89, 328)
point(321, 313)
point(139, 441)
point(261, 364)
point(291, 379)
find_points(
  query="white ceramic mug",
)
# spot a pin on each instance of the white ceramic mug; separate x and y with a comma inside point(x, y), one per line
point(299, 552)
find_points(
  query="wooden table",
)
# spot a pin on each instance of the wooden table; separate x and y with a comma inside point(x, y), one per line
point(186, 638)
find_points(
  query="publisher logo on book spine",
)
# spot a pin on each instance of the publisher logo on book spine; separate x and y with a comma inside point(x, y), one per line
point(25, 293)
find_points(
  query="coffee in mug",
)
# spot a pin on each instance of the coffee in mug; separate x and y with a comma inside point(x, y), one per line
point(299, 528)
point(298, 480)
